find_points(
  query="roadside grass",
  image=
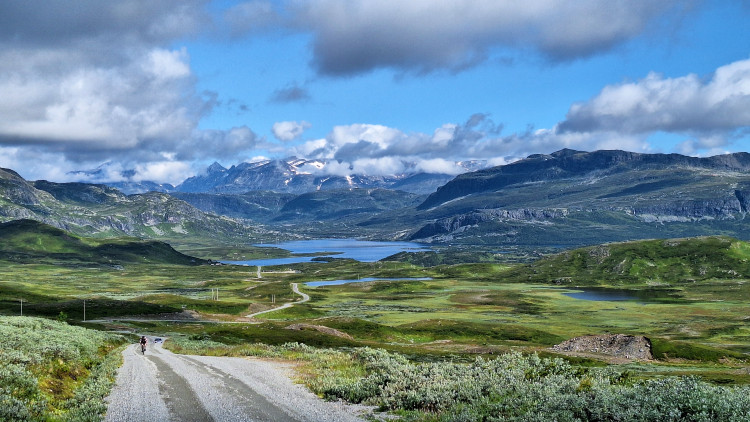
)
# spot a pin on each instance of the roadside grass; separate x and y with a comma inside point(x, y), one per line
point(54, 371)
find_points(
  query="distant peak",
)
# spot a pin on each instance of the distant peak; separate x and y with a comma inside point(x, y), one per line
point(216, 167)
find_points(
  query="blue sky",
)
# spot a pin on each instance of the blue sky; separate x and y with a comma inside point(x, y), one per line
point(382, 86)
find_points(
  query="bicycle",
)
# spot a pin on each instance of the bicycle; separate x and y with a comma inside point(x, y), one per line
point(143, 349)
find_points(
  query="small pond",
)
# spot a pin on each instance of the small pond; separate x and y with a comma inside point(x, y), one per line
point(361, 280)
point(601, 294)
point(360, 250)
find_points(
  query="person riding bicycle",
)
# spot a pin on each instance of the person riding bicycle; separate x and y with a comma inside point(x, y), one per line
point(143, 342)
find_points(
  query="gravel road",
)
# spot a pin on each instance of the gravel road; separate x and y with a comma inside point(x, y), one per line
point(295, 289)
point(163, 386)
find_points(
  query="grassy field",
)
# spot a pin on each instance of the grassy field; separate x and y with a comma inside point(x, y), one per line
point(692, 303)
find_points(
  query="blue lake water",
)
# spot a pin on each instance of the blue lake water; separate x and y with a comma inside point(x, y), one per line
point(360, 250)
point(619, 295)
point(361, 280)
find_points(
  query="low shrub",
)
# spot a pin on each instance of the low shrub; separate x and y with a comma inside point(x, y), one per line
point(51, 370)
point(512, 387)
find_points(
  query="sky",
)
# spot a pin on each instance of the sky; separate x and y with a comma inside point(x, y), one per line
point(167, 87)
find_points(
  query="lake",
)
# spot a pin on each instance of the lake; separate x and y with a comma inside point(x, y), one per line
point(600, 294)
point(361, 280)
point(360, 250)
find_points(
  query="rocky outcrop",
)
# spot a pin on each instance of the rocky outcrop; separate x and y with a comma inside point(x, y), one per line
point(451, 224)
point(619, 345)
point(693, 209)
point(743, 197)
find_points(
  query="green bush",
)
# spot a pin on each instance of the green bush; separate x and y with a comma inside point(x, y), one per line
point(51, 368)
point(514, 387)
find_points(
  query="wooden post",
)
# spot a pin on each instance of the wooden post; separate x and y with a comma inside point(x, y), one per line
point(21, 306)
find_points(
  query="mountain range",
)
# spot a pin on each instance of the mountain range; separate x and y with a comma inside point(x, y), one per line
point(289, 175)
point(572, 197)
point(102, 211)
point(564, 199)
point(294, 175)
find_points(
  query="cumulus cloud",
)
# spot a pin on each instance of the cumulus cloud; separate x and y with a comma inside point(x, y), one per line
point(381, 150)
point(712, 110)
point(356, 36)
point(173, 172)
point(91, 110)
point(91, 81)
point(289, 131)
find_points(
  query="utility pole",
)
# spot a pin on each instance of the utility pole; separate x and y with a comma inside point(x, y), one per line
point(21, 306)
point(84, 309)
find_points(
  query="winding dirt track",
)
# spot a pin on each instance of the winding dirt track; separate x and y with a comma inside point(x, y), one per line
point(163, 386)
point(295, 289)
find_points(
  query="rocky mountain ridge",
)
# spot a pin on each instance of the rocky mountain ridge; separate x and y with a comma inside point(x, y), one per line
point(102, 211)
point(570, 164)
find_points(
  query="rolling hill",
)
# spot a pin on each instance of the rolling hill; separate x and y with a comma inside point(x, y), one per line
point(30, 241)
point(649, 262)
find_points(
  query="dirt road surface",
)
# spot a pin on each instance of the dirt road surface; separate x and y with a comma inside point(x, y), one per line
point(163, 386)
point(295, 289)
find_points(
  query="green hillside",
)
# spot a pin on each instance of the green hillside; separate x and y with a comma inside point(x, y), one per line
point(674, 261)
point(32, 241)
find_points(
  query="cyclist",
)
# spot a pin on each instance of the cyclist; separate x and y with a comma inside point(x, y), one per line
point(143, 343)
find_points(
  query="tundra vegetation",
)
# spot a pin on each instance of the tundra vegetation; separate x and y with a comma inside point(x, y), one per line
point(466, 342)
point(52, 371)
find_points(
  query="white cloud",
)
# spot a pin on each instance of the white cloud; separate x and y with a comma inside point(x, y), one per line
point(380, 150)
point(173, 172)
point(289, 131)
point(377, 166)
point(164, 64)
point(90, 109)
point(705, 108)
point(97, 82)
point(439, 166)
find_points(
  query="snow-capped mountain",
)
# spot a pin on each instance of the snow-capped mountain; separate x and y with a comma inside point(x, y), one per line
point(296, 175)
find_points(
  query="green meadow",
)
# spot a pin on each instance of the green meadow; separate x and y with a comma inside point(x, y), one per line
point(690, 298)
